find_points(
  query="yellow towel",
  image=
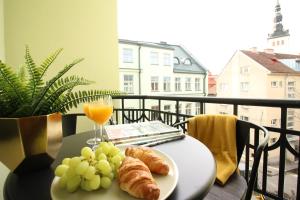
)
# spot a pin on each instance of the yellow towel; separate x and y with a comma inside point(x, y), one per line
point(218, 133)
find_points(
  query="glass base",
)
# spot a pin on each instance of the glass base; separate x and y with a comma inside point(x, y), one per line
point(93, 141)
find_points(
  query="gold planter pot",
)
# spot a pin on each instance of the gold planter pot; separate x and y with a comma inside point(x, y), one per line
point(30, 143)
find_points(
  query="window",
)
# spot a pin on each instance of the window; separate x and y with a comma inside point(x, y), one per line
point(245, 118)
point(290, 124)
point(176, 61)
point(167, 108)
point(197, 109)
point(188, 84)
point(244, 70)
point(290, 112)
point(291, 95)
point(167, 84)
point(179, 108)
point(128, 83)
point(274, 84)
point(167, 59)
point(177, 84)
point(291, 83)
point(282, 42)
point(291, 89)
point(154, 58)
point(154, 83)
point(154, 113)
point(223, 87)
point(244, 86)
point(127, 55)
point(188, 108)
point(187, 61)
point(273, 122)
point(197, 84)
point(223, 113)
point(290, 118)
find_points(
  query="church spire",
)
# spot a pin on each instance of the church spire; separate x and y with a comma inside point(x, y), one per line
point(278, 30)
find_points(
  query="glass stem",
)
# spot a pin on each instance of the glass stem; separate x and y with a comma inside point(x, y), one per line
point(101, 132)
point(95, 129)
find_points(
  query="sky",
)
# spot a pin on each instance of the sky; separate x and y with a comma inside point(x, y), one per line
point(211, 30)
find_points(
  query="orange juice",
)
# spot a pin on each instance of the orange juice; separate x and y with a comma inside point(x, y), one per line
point(100, 113)
point(86, 110)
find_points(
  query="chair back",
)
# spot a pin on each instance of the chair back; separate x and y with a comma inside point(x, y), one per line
point(69, 122)
point(243, 129)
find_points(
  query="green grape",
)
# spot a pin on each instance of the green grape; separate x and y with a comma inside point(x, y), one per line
point(94, 183)
point(74, 161)
point(82, 167)
point(101, 156)
point(111, 175)
point(117, 165)
point(90, 172)
point(60, 170)
point(84, 184)
point(66, 161)
point(103, 165)
point(98, 151)
point(112, 166)
point(63, 181)
point(105, 182)
point(110, 144)
point(116, 159)
point(87, 153)
point(73, 183)
point(114, 151)
point(70, 173)
point(105, 148)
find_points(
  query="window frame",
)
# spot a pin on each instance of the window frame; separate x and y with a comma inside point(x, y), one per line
point(127, 57)
point(154, 58)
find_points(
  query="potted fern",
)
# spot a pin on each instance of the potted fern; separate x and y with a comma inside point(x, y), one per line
point(30, 111)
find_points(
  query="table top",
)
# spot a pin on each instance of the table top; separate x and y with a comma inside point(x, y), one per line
point(196, 166)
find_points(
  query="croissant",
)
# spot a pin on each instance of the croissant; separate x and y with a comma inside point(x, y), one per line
point(136, 179)
point(150, 158)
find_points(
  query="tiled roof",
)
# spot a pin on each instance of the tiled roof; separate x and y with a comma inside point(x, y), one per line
point(271, 61)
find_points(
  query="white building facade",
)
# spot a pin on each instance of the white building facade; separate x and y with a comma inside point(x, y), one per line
point(161, 69)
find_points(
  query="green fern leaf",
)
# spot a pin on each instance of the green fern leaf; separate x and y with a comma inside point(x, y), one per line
point(12, 90)
point(37, 102)
point(34, 74)
point(57, 92)
point(47, 62)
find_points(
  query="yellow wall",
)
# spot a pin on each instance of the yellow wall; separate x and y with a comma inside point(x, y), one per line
point(2, 54)
point(82, 28)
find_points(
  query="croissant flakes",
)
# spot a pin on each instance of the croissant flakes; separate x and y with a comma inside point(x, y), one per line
point(150, 158)
point(136, 179)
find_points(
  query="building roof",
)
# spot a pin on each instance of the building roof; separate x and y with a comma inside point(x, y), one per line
point(271, 61)
point(143, 43)
point(187, 63)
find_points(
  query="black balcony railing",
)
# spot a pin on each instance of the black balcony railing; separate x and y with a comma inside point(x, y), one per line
point(135, 108)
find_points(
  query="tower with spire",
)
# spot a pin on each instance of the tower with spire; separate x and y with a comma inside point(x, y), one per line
point(279, 38)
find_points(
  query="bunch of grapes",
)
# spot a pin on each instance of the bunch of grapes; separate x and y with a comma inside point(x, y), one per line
point(92, 170)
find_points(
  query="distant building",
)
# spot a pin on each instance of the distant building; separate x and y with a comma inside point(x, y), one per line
point(254, 74)
point(212, 85)
point(279, 39)
point(148, 68)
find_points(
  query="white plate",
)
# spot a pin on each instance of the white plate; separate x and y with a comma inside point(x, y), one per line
point(166, 184)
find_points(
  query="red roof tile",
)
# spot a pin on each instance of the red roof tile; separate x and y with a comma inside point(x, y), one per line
point(271, 61)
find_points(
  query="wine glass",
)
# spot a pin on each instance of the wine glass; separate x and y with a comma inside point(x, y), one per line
point(100, 112)
point(95, 140)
